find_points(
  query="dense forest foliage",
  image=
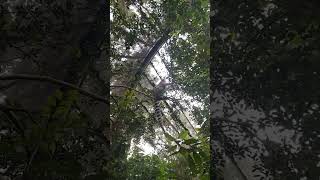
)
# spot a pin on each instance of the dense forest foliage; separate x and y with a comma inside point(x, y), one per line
point(54, 89)
point(153, 41)
point(265, 87)
point(78, 81)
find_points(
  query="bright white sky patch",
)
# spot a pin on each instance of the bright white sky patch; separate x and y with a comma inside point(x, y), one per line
point(184, 36)
point(111, 15)
point(146, 147)
point(159, 67)
point(134, 10)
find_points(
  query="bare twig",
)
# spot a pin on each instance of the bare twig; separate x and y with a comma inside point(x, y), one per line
point(53, 81)
point(130, 57)
point(7, 86)
point(31, 159)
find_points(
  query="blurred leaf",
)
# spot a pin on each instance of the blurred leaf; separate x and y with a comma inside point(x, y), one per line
point(184, 135)
point(169, 137)
point(172, 148)
point(197, 158)
point(190, 141)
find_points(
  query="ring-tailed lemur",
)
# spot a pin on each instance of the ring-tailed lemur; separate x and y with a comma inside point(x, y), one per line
point(159, 91)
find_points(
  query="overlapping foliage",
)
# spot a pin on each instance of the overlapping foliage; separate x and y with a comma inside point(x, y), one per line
point(142, 23)
point(49, 54)
point(265, 57)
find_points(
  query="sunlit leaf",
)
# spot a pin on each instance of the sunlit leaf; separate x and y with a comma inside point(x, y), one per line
point(184, 135)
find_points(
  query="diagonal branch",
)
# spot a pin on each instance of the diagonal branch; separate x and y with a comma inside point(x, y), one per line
point(53, 81)
point(133, 89)
point(152, 52)
point(7, 86)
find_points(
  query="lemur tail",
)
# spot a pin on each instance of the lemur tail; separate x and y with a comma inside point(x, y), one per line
point(157, 111)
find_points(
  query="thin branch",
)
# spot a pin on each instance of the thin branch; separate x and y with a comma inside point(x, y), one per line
point(10, 60)
point(154, 68)
point(53, 81)
point(25, 54)
point(177, 119)
point(182, 111)
point(7, 108)
point(244, 126)
point(14, 109)
point(31, 159)
point(7, 86)
point(124, 31)
point(14, 121)
point(234, 162)
point(123, 86)
point(130, 57)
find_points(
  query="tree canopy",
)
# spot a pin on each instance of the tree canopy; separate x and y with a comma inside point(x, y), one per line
point(153, 40)
point(265, 77)
point(77, 80)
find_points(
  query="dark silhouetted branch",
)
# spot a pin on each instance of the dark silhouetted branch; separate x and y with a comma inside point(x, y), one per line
point(53, 81)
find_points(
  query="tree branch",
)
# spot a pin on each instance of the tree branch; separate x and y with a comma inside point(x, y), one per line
point(122, 86)
point(53, 81)
point(158, 44)
point(7, 86)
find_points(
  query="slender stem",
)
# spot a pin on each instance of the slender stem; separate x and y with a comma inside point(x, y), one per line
point(53, 81)
point(127, 87)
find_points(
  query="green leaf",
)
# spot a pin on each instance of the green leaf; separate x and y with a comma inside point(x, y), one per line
point(197, 158)
point(58, 94)
point(190, 141)
point(203, 154)
point(184, 151)
point(191, 163)
point(172, 148)
point(296, 41)
point(204, 177)
point(184, 135)
point(169, 137)
point(198, 130)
